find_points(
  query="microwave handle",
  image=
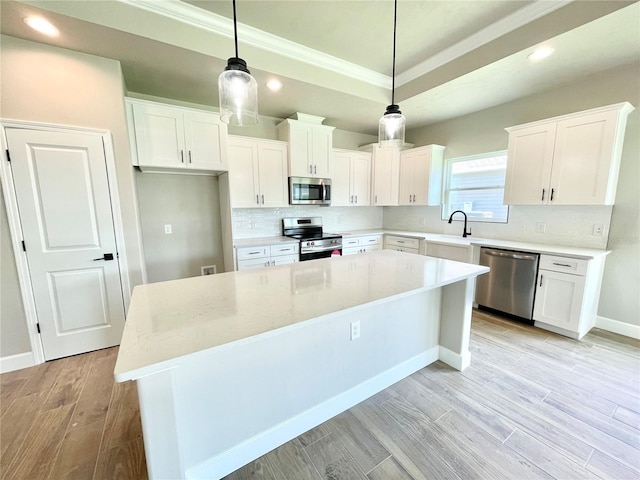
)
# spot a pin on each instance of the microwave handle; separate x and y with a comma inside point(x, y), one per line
point(324, 192)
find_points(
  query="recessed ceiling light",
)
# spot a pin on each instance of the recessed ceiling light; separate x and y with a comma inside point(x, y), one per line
point(42, 25)
point(274, 85)
point(540, 53)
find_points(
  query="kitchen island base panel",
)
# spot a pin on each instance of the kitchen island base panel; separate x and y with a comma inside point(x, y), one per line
point(230, 405)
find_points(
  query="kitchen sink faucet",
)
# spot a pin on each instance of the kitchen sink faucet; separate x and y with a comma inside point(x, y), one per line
point(464, 230)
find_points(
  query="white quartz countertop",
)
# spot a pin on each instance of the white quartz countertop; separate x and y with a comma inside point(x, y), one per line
point(170, 320)
point(562, 250)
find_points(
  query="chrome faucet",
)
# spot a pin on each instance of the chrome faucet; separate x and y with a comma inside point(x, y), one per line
point(464, 230)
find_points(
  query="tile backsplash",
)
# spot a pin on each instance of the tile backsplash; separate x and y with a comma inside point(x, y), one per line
point(563, 225)
point(267, 222)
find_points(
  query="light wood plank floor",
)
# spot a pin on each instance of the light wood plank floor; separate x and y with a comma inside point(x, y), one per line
point(532, 405)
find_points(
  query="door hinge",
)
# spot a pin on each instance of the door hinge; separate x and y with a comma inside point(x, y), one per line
point(24, 247)
point(38, 327)
point(8, 155)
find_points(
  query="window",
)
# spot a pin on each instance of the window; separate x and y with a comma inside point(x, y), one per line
point(475, 185)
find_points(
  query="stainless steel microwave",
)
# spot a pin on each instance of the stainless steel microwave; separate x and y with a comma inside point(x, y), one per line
point(309, 191)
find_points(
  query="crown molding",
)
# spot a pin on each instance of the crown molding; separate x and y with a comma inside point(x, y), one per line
point(505, 25)
point(211, 22)
point(214, 23)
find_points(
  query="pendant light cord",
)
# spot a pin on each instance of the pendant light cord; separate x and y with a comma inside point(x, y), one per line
point(235, 31)
point(393, 74)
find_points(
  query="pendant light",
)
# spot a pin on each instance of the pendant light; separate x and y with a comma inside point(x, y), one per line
point(238, 90)
point(391, 126)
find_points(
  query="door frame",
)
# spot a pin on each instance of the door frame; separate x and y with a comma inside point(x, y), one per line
point(15, 223)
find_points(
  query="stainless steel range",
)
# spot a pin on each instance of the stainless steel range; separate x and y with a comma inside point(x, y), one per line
point(314, 243)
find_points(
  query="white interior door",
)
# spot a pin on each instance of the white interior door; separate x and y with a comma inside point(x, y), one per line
point(65, 210)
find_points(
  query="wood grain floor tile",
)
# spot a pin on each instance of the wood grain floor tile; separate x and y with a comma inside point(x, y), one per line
point(607, 468)
point(474, 438)
point(93, 402)
point(256, 470)
point(123, 424)
point(333, 461)
point(361, 444)
point(390, 469)
point(126, 461)
point(313, 435)
point(69, 382)
point(291, 461)
point(547, 458)
point(78, 453)
point(41, 445)
point(628, 417)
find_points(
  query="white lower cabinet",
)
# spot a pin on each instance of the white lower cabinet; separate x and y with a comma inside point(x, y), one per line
point(355, 245)
point(402, 244)
point(266, 255)
point(566, 295)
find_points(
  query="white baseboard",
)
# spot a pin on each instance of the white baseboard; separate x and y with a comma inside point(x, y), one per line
point(455, 360)
point(252, 448)
point(16, 362)
point(616, 326)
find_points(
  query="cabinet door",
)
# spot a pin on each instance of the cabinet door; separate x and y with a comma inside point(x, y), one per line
point(386, 165)
point(558, 299)
point(341, 195)
point(272, 174)
point(243, 174)
point(300, 138)
point(159, 136)
point(205, 141)
point(529, 164)
point(360, 179)
point(407, 187)
point(321, 148)
point(582, 159)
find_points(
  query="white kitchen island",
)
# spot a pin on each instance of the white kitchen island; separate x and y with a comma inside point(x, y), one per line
point(230, 366)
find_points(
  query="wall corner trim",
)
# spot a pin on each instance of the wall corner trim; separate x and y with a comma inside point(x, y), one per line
point(616, 326)
point(16, 362)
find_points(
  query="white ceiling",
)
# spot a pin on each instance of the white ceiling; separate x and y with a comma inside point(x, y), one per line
point(334, 57)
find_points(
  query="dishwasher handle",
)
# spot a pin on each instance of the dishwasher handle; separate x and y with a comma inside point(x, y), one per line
point(517, 256)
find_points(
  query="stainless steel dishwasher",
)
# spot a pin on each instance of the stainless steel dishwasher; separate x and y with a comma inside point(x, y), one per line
point(510, 286)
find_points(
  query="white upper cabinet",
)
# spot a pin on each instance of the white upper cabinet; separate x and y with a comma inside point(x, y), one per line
point(421, 175)
point(258, 173)
point(350, 178)
point(386, 174)
point(310, 145)
point(168, 138)
point(568, 160)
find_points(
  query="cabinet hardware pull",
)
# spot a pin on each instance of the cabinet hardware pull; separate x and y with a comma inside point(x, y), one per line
point(414, 198)
point(263, 199)
point(351, 199)
point(189, 156)
point(540, 280)
point(552, 191)
point(409, 198)
point(253, 253)
point(181, 156)
point(310, 169)
point(257, 199)
point(563, 264)
point(376, 199)
point(315, 169)
point(356, 198)
point(543, 191)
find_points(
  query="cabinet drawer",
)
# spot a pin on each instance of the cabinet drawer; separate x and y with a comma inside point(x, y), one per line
point(371, 240)
point(284, 249)
point(285, 259)
point(576, 266)
point(350, 242)
point(246, 253)
point(395, 241)
point(253, 263)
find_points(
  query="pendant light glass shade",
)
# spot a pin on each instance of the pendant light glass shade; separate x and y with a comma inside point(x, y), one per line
point(392, 123)
point(238, 92)
point(391, 127)
point(237, 89)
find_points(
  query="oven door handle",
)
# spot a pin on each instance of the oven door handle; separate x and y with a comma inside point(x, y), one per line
point(320, 249)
